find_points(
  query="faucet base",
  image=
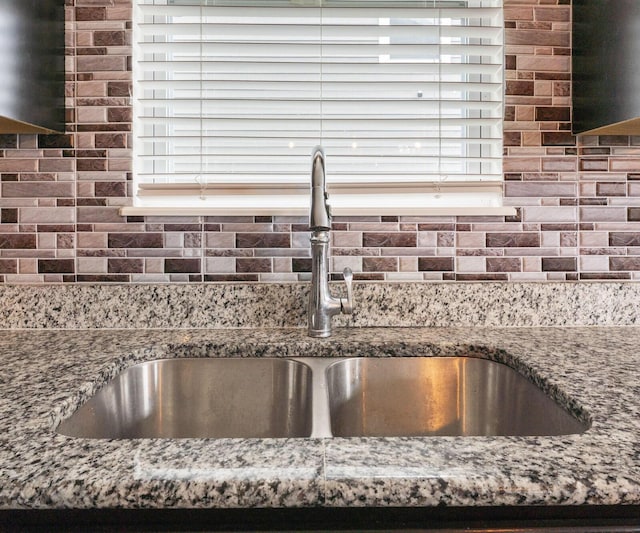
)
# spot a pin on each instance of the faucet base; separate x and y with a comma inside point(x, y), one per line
point(319, 333)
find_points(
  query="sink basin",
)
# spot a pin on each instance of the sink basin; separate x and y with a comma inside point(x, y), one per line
point(199, 397)
point(461, 396)
point(318, 397)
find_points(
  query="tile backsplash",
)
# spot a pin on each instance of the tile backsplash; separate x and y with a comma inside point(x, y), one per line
point(578, 200)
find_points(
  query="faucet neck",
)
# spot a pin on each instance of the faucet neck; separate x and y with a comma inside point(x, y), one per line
point(319, 215)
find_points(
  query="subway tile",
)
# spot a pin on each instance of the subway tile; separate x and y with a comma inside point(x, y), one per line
point(125, 266)
point(504, 264)
point(258, 265)
point(517, 240)
point(135, 240)
point(263, 240)
point(181, 265)
point(559, 264)
point(445, 264)
point(56, 266)
point(539, 189)
point(380, 264)
point(549, 214)
point(36, 189)
point(624, 263)
point(231, 278)
point(396, 240)
point(470, 264)
point(624, 238)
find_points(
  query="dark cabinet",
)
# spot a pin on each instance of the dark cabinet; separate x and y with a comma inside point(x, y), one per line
point(606, 73)
point(31, 66)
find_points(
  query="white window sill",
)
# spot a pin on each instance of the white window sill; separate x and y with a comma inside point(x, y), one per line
point(297, 212)
point(366, 199)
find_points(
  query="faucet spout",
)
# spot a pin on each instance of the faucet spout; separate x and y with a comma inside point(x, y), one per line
point(320, 214)
point(322, 304)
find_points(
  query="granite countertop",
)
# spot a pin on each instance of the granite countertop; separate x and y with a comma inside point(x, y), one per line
point(47, 373)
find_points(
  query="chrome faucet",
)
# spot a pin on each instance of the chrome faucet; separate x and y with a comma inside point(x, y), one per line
point(322, 305)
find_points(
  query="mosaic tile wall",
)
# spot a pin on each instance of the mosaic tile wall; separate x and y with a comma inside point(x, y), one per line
point(578, 201)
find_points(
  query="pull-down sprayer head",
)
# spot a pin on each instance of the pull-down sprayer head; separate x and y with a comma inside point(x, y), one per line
point(320, 215)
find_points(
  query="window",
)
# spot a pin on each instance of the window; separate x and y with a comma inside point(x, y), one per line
point(231, 97)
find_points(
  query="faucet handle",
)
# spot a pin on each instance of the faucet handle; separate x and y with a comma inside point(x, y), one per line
point(347, 303)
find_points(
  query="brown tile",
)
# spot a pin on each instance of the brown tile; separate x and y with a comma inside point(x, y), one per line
point(362, 276)
point(504, 264)
point(624, 263)
point(559, 264)
point(8, 140)
point(8, 266)
point(115, 189)
point(253, 265)
point(593, 164)
point(513, 240)
point(65, 241)
point(436, 226)
point(109, 38)
point(56, 266)
point(552, 13)
point(135, 240)
point(595, 276)
point(395, 240)
point(558, 138)
point(119, 88)
point(18, 241)
point(37, 189)
point(192, 240)
point(613, 140)
point(512, 138)
point(624, 238)
point(536, 37)
point(482, 277)
point(633, 214)
point(435, 264)
point(445, 240)
point(125, 266)
point(90, 13)
point(301, 264)
point(230, 278)
point(263, 240)
point(103, 278)
point(119, 114)
point(553, 114)
point(8, 216)
point(380, 264)
point(111, 140)
point(519, 87)
point(608, 188)
point(91, 165)
point(55, 141)
point(182, 266)
point(55, 228)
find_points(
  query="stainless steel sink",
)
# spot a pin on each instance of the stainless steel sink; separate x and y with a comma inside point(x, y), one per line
point(318, 397)
point(198, 397)
point(439, 396)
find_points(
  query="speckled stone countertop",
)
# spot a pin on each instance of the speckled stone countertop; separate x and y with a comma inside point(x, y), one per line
point(45, 374)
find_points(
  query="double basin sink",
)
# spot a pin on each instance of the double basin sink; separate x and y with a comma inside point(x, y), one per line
point(319, 397)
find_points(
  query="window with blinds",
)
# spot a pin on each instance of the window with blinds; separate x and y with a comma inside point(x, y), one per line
point(231, 97)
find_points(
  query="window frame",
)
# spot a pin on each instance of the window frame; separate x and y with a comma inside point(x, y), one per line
point(281, 197)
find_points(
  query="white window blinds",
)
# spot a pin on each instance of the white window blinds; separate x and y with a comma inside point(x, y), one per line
point(231, 96)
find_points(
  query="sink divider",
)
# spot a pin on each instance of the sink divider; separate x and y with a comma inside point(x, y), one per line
point(321, 424)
